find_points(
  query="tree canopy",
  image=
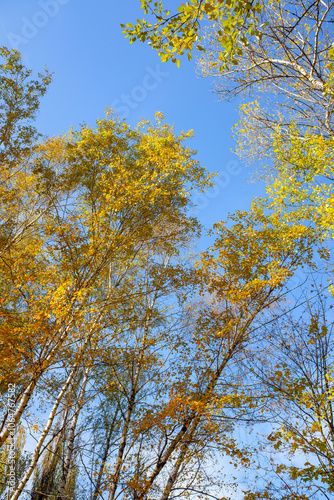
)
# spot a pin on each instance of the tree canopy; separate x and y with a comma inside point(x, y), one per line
point(135, 367)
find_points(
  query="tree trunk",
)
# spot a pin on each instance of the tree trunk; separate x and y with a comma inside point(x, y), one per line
point(104, 458)
point(70, 441)
point(46, 482)
point(44, 434)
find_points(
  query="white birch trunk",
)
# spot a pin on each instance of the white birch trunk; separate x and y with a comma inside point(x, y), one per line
point(44, 434)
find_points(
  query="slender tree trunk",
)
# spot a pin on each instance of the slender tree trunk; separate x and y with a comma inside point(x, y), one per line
point(175, 471)
point(70, 441)
point(46, 482)
point(130, 409)
point(44, 434)
point(19, 410)
point(122, 445)
point(104, 458)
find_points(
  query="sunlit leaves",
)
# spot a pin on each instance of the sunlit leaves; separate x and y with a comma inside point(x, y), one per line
point(174, 34)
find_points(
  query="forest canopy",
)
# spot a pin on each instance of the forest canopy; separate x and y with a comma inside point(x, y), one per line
point(131, 366)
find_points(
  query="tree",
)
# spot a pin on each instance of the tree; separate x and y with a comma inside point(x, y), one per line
point(245, 274)
point(172, 34)
point(19, 103)
point(279, 52)
point(109, 195)
point(287, 70)
point(45, 476)
point(20, 207)
point(294, 371)
point(285, 63)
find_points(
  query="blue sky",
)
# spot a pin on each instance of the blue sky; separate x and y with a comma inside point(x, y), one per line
point(95, 67)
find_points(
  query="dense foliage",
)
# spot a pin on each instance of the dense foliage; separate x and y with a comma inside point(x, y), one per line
point(142, 372)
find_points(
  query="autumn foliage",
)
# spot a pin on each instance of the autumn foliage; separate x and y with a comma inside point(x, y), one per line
point(135, 363)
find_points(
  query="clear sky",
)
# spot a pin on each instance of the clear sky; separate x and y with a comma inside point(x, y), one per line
point(95, 67)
